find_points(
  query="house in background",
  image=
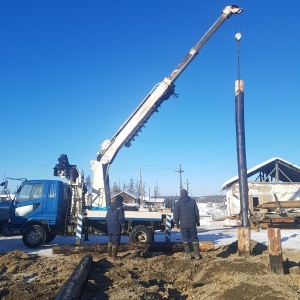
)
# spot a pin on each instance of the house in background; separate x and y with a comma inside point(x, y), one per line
point(155, 202)
point(131, 200)
point(274, 177)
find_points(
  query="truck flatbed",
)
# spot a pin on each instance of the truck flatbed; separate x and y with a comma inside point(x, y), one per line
point(100, 215)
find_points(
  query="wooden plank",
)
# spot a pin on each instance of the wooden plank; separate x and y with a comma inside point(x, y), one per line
point(278, 205)
point(252, 225)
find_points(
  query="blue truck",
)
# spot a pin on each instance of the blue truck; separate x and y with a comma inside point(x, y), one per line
point(43, 209)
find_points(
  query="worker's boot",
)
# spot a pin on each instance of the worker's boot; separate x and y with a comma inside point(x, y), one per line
point(114, 252)
point(187, 250)
point(196, 250)
point(109, 249)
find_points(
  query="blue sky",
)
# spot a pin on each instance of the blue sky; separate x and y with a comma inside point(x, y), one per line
point(72, 72)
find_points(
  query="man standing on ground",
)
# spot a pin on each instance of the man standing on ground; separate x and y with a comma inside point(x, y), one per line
point(187, 218)
point(115, 220)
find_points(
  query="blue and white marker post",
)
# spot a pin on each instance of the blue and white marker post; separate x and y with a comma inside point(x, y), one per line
point(79, 229)
point(168, 229)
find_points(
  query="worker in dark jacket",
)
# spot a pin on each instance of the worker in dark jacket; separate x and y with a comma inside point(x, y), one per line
point(186, 219)
point(115, 220)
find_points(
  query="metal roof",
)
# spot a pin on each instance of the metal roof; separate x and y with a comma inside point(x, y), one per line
point(273, 170)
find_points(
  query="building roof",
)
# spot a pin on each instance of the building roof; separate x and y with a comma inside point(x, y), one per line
point(158, 200)
point(275, 169)
point(128, 193)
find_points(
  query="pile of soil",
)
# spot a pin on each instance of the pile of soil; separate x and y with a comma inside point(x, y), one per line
point(220, 274)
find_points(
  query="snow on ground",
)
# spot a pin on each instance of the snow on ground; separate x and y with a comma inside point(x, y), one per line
point(219, 232)
point(220, 236)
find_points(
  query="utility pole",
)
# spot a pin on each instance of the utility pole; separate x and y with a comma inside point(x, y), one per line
point(180, 171)
point(187, 185)
point(140, 191)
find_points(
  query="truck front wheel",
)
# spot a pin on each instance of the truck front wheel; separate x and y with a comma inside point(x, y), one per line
point(34, 236)
point(140, 234)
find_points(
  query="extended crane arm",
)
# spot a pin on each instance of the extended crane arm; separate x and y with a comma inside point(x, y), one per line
point(133, 125)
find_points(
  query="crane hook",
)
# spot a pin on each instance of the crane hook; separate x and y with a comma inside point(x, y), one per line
point(238, 36)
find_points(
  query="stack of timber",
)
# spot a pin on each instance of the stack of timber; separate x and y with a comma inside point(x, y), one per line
point(277, 222)
point(282, 204)
point(283, 214)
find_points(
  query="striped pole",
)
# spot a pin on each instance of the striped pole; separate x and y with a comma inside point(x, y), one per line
point(78, 229)
point(168, 228)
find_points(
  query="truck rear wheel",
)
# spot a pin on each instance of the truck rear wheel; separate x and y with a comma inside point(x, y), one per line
point(34, 236)
point(140, 234)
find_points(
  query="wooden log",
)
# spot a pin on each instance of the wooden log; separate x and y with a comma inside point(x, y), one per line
point(282, 220)
point(99, 248)
point(283, 204)
point(275, 251)
point(244, 241)
point(204, 246)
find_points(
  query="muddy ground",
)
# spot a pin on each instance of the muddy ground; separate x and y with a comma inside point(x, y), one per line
point(220, 274)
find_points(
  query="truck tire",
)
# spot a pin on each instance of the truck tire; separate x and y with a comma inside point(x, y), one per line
point(34, 236)
point(140, 234)
point(4, 230)
point(50, 237)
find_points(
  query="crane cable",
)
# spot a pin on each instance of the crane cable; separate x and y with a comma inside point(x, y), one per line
point(238, 37)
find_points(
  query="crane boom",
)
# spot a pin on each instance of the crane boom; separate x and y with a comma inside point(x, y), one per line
point(161, 92)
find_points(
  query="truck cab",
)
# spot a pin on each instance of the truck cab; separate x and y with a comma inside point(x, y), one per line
point(41, 210)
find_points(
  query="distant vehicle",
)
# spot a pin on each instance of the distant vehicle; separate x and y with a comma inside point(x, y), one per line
point(4, 215)
point(6, 200)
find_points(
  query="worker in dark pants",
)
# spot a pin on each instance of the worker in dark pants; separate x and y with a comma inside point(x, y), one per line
point(186, 219)
point(115, 221)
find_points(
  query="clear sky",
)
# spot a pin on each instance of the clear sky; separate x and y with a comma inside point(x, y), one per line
point(71, 72)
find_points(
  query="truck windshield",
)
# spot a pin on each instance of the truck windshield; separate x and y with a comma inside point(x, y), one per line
point(30, 191)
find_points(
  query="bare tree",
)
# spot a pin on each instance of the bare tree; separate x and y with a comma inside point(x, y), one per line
point(88, 182)
point(156, 191)
point(115, 189)
point(131, 187)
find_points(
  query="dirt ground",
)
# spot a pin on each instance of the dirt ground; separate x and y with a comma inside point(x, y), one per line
point(220, 274)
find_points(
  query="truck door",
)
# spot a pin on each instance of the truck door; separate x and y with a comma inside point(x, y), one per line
point(28, 203)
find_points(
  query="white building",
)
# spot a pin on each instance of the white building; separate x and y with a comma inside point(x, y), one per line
point(273, 178)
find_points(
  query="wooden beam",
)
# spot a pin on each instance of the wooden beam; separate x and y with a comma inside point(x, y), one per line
point(283, 204)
